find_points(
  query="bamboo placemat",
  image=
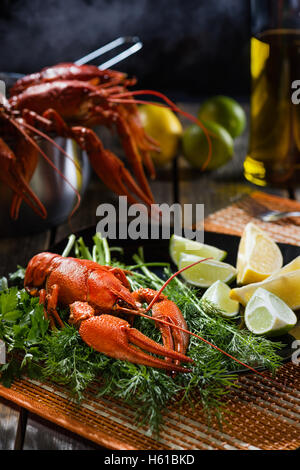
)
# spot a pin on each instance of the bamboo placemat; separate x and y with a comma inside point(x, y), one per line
point(262, 413)
point(232, 219)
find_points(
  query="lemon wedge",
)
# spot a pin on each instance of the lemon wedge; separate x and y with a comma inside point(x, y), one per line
point(258, 256)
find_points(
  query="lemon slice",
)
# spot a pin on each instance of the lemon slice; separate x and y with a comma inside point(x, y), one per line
point(266, 314)
point(258, 256)
point(206, 273)
point(180, 245)
point(218, 294)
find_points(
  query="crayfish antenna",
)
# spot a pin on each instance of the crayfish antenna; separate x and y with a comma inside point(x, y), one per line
point(170, 279)
point(126, 97)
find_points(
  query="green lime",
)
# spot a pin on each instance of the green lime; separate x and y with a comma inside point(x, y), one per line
point(206, 273)
point(225, 111)
point(266, 314)
point(196, 149)
point(180, 245)
point(218, 294)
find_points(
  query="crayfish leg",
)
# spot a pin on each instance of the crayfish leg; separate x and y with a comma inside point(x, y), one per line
point(27, 155)
point(129, 145)
point(11, 174)
point(42, 300)
point(133, 155)
point(49, 300)
point(109, 167)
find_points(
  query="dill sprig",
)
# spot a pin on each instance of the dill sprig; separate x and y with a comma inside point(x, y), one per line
point(62, 356)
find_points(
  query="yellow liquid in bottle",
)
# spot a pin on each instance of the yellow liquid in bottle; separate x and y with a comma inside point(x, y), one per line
point(274, 148)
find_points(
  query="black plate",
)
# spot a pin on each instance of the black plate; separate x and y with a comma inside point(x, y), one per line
point(158, 250)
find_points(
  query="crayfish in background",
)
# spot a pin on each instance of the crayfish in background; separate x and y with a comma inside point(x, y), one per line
point(68, 100)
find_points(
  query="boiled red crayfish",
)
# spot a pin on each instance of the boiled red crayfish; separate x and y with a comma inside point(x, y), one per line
point(69, 100)
point(47, 104)
point(71, 71)
point(96, 295)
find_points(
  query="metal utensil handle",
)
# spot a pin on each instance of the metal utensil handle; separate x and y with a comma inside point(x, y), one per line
point(136, 45)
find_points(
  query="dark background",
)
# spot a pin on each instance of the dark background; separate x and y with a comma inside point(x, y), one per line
point(195, 47)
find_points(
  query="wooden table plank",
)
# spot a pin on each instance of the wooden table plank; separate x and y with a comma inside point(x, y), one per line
point(43, 435)
point(9, 418)
point(297, 193)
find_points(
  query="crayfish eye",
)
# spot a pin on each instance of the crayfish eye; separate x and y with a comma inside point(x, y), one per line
point(123, 304)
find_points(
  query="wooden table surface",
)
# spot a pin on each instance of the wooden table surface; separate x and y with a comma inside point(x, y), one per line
point(20, 429)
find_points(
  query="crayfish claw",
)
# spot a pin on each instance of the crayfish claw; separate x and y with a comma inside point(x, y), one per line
point(114, 337)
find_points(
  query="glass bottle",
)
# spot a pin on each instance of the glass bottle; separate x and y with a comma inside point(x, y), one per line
point(274, 146)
